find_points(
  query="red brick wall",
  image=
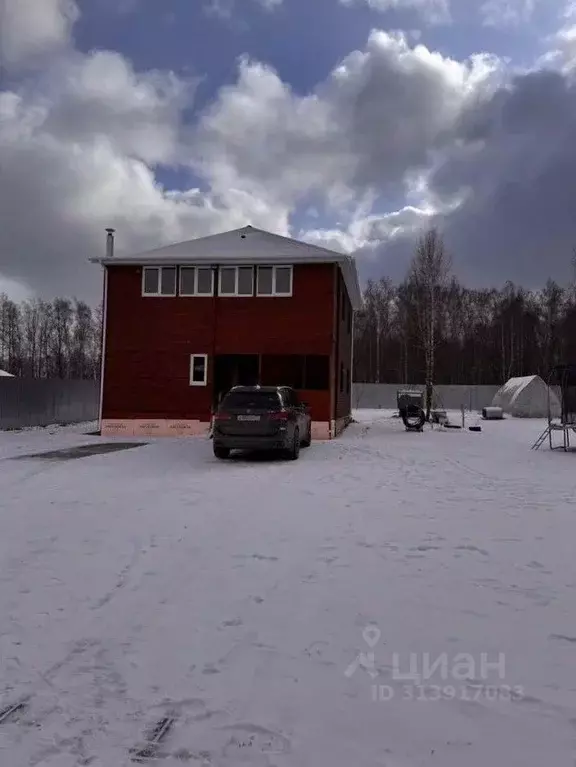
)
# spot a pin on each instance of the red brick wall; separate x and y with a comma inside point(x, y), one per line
point(149, 340)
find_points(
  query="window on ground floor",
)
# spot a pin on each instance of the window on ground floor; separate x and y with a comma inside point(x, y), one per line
point(341, 376)
point(282, 370)
point(198, 369)
point(159, 281)
point(296, 370)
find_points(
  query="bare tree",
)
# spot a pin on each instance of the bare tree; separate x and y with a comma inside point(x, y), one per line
point(45, 339)
point(13, 337)
point(61, 339)
point(96, 350)
point(31, 319)
point(377, 319)
point(81, 364)
point(10, 335)
point(549, 305)
point(429, 273)
point(41, 339)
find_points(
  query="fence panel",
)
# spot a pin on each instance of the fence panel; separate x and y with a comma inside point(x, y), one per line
point(474, 398)
point(26, 402)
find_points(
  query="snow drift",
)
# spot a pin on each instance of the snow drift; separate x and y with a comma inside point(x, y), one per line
point(527, 397)
point(4, 374)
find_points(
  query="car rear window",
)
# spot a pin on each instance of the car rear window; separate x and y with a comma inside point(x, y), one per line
point(252, 400)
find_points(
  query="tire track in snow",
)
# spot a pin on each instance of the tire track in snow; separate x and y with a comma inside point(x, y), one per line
point(122, 580)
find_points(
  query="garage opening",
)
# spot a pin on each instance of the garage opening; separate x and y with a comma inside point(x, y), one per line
point(310, 372)
point(234, 370)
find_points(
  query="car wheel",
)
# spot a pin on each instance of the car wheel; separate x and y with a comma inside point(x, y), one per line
point(221, 452)
point(294, 449)
point(306, 442)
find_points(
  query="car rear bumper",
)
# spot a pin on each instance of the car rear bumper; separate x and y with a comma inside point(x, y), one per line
point(274, 442)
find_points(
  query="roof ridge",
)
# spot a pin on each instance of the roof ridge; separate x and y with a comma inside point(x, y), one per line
point(239, 231)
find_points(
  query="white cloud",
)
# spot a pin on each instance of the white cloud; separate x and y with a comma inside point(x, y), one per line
point(494, 13)
point(370, 231)
point(503, 13)
point(380, 113)
point(78, 147)
point(225, 9)
point(80, 142)
point(31, 28)
point(433, 11)
point(561, 52)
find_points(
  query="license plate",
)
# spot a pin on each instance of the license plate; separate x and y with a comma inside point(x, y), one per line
point(248, 417)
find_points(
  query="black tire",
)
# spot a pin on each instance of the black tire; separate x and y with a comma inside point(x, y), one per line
point(293, 451)
point(306, 442)
point(221, 452)
point(413, 418)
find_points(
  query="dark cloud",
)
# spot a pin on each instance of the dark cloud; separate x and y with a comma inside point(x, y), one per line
point(514, 163)
point(519, 219)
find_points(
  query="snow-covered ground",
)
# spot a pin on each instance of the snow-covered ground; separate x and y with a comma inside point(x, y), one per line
point(237, 596)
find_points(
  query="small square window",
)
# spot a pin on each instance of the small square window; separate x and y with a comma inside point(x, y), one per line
point(151, 281)
point(227, 280)
point(205, 282)
point(265, 280)
point(283, 281)
point(245, 281)
point(168, 281)
point(187, 280)
point(198, 369)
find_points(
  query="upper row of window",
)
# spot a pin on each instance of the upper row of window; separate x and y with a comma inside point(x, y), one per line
point(232, 280)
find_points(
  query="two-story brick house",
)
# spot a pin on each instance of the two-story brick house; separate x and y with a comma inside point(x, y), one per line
point(184, 323)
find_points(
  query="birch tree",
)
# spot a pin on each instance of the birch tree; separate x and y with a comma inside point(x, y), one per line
point(429, 273)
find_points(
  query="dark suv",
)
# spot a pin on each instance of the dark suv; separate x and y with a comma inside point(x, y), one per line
point(262, 418)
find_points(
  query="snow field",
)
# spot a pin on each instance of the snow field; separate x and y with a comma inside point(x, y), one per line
point(236, 595)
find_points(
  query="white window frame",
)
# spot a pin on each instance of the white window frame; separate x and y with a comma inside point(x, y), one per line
point(192, 381)
point(158, 293)
point(195, 293)
point(275, 293)
point(235, 294)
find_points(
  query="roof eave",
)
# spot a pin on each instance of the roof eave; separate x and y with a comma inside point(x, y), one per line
point(222, 258)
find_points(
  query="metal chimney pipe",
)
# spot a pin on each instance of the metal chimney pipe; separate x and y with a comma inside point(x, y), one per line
point(110, 243)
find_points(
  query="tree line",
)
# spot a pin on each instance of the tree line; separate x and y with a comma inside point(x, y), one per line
point(50, 339)
point(431, 328)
